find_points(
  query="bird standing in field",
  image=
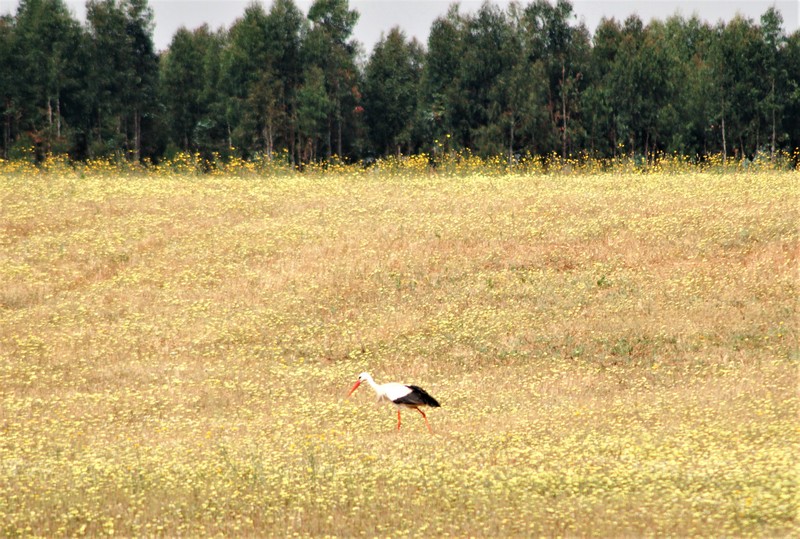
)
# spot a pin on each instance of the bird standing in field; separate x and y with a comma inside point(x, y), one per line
point(401, 395)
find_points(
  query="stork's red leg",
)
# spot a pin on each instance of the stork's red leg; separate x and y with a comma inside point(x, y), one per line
point(398, 419)
point(426, 420)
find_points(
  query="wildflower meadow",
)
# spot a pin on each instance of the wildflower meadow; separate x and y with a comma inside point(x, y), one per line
point(615, 350)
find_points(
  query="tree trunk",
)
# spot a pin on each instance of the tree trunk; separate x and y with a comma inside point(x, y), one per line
point(632, 143)
point(563, 114)
point(329, 149)
point(339, 137)
point(511, 144)
point(269, 137)
point(116, 142)
point(6, 129)
point(58, 113)
point(724, 147)
point(98, 132)
point(614, 142)
point(772, 144)
point(294, 143)
point(654, 150)
point(137, 135)
point(46, 140)
point(299, 149)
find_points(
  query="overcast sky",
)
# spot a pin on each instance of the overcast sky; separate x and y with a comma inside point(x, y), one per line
point(415, 16)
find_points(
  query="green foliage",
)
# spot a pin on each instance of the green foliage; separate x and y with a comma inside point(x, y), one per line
point(391, 78)
point(182, 80)
point(313, 109)
point(789, 58)
point(42, 49)
point(328, 47)
point(499, 81)
point(123, 76)
point(442, 106)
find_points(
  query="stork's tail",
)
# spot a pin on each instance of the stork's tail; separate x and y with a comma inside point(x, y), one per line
point(426, 399)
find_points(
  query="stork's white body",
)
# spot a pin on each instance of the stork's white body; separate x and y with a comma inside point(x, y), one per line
point(390, 392)
point(401, 395)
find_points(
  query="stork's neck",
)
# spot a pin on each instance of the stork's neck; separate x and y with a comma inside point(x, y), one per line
point(373, 385)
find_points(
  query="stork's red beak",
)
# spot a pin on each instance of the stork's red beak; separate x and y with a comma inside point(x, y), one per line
point(355, 386)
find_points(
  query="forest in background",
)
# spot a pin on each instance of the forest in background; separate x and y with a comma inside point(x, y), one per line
point(280, 84)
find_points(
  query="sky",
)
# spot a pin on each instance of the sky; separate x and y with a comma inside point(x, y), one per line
point(415, 16)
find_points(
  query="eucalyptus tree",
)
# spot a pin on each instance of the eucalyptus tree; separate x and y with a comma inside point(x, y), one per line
point(599, 99)
point(184, 77)
point(9, 81)
point(686, 118)
point(391, 78)
point(313, 112)
point(789, 62)
point(328, 47)
point(654, 66)
point(488, 58)
point(529, 110)
point(212, 132)
point(736, 67)
point(109, 74)
point(245, 59)
point(625, 84)
point(123, 77)
point(286, 29)
point(442, 106)
point(42, 48)
point(497, 81)
point(772, 105)
point(261, 71)
point(142, 94)
point(564, 51)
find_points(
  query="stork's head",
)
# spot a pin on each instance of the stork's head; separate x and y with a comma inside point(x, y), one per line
point(363, 377)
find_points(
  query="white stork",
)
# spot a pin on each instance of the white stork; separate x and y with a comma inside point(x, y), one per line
point(401, 395)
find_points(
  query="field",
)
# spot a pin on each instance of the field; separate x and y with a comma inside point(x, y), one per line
point(615, 354)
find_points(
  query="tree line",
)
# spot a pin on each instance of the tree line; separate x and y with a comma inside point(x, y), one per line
point(526, 79)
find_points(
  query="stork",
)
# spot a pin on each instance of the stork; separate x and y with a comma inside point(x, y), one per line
point(401, 395)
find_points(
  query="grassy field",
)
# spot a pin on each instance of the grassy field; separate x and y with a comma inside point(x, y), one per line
point(615, 354)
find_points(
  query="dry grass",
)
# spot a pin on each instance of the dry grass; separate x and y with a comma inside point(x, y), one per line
point(615, 354)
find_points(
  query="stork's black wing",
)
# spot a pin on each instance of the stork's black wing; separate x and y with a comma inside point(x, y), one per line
point(417, 397)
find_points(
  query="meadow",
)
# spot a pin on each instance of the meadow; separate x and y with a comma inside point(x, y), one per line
point(616, 353)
